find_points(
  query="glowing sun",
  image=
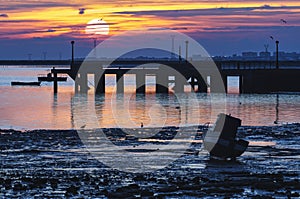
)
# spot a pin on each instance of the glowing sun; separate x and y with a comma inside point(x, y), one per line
point(97, 27)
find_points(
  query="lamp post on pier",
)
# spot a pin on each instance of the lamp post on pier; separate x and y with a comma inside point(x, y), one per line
point(72, 63)
point(277, 59)
point(186, 50)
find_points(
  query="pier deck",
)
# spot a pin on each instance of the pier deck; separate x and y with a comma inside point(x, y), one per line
point(254, 76)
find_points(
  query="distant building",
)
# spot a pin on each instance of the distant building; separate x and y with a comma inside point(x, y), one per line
point(249, 54)
point(287, 56)
point(280, 54)
point(291, 56)
point(265, 54)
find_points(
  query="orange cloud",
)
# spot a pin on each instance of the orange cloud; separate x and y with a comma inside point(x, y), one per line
point(59, 18)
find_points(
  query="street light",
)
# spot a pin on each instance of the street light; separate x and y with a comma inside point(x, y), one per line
point(277, 61)
point(186, 52)
point(72, 43)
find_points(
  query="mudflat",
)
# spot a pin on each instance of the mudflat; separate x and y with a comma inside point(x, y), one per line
point(54, 164)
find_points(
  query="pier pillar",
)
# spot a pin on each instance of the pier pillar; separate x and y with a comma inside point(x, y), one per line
point(240, 84)
point(161, 85)
point(120, 83)
point(202, 85)
point(83, 83)
point(225, 81)
point(198, 80)
point(180, 81)
point(218, 85)
point(277, 57)
point(99, 83)
point(76, 87)
point(140, 82)
point(193, 83)
point(247, 83)
point(55, 82)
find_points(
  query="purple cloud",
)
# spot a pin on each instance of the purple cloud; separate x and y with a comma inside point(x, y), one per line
point(20, 21)
point(51, 30)
point(35, 5)
point(3, 15)
point(214, 11)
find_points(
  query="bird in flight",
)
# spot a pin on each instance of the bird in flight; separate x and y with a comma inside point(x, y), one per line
point(81, 11)
point(272, 37)
point(284, 21)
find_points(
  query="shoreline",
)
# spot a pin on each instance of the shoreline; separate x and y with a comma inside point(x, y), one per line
point(287, 124)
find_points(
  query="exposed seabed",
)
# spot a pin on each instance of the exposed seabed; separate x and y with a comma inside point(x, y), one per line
point(47, 163)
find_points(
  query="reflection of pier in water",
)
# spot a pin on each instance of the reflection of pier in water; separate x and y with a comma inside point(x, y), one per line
point(254, 76)
point(129, 110)
point(249, 107)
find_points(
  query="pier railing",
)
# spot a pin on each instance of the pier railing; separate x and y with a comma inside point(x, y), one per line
point(222, 64)
point(256, 65)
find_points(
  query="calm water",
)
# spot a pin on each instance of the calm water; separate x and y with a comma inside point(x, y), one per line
point(38, 108)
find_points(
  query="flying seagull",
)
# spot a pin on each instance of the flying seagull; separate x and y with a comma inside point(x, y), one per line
point(81, 11)
point(272, 37)
point(284, 21)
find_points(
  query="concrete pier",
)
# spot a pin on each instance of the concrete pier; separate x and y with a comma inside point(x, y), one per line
point(55, 83)
point(217, 84)
point(268, 81)
point(198, 84)
point(99, 82)
point(81, 83)
point(180, 81)
point(254, 76)
point(193, 83)
point(162, 85)
point(140, 79)
point(120, 82)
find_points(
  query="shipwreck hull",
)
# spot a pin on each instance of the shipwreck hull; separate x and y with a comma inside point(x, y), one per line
point(220, 141)
point(226, 149)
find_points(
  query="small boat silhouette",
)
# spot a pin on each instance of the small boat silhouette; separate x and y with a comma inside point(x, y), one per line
point(220, 140)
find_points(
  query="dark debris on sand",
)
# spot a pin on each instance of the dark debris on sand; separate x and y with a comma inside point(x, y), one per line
point(46, 164)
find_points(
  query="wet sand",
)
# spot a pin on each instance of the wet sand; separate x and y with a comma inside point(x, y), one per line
point(51, 164)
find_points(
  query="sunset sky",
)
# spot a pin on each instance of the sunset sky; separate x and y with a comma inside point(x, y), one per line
point(222, 27)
